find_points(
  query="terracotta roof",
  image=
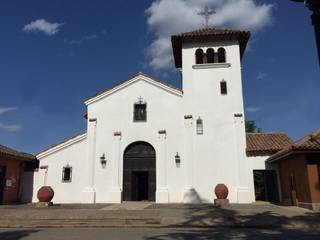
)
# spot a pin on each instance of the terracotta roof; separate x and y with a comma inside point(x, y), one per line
point(311, 142)
point(206, 35)
point(266, 143)
point(138, 74)
point(9, 152)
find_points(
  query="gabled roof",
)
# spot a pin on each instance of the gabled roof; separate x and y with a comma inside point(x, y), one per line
point(12, 153)
point(207, 35)
point(137, 77)
point(266, 143)
point(62, 144)
point(311, 142)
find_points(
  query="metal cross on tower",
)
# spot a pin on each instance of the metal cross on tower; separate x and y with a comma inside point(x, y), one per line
point(206, 13)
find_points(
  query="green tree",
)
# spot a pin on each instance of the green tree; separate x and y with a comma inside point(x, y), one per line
point(251, 127)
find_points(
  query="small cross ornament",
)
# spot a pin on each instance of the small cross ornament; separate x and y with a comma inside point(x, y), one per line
point(206, 13)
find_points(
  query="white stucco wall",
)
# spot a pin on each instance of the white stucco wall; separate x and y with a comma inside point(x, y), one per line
point(219, 154)
point(258, 162)
point(115, 113)
point(73, 153)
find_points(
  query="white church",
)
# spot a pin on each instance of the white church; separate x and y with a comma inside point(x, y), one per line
point(149, 141)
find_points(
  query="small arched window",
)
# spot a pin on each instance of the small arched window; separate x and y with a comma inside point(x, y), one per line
point(210, 55)
point(221, 55)
point(223, 87)
point(199, 126)
point(199, 56)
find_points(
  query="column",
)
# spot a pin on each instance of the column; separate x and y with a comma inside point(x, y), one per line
point(189, 195)
point(89, 191)
point(245, 191)
point(115, 192)
point(162, 194)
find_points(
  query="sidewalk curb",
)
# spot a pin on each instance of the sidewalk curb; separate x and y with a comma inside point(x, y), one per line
point(129, 223)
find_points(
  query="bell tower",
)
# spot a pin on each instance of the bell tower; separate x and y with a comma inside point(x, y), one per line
point(210, 62)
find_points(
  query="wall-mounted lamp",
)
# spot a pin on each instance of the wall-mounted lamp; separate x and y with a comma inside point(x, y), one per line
point(177, 158)
point(103, 160)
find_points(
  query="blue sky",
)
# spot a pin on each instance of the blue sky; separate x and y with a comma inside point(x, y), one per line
point(49, 67)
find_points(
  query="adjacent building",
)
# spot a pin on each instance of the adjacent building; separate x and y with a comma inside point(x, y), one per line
point(16, 175)
point(299, 171)
point(261, 146)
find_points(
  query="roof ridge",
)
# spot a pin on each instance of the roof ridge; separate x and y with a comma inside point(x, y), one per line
point(198, 30)
point(307, 137)
point(15, 153)
point(308, 142)
point(267, 133)
point(132, 77)
point(62, 141)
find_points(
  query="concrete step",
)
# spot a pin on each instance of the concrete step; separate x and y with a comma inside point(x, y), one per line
point(60, 223)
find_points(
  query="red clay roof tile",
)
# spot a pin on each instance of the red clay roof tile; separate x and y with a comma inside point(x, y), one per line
point(310, 142)
point(9, 152)
point(267, 143)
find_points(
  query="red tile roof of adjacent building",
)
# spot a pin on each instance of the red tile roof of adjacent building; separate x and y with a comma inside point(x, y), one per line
point(266, 143)
point(311, 142)
point(206, 35)
point(9, 152)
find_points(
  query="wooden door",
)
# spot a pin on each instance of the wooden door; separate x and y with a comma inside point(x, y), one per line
point(139, 172)
point(2, 182)
point(293, 190)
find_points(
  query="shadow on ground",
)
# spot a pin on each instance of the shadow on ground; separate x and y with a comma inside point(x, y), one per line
point(16, 234)
point(245, 225)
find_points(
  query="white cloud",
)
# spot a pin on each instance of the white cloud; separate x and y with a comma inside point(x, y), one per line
point(261, 76)
point(253, 109)
point(167, 17)
point(81, 40)
point(7, 109)
point(42, 25)
point(10, 127)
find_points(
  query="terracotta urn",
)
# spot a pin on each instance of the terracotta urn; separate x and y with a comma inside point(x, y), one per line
point(45, 194)
point(221, 191)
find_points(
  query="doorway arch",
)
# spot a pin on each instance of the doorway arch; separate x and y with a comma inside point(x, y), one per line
point(139, 172)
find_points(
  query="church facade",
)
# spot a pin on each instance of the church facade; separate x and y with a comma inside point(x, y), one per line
point(147, 140)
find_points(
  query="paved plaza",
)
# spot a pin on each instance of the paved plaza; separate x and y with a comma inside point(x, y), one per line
point(144, 214)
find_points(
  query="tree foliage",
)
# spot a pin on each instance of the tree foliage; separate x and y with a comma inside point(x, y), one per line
point(251, 127)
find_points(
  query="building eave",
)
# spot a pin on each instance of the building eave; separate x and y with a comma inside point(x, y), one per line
point(61, 145)
point(285, 154)
point(138, 77)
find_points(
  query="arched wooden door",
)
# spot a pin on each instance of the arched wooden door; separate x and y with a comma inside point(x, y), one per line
point(139, 172)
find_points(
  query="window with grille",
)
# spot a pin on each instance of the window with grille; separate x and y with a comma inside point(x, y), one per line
point(140, 112)
point(223, 87)
point(199, 126)
point(66, 174)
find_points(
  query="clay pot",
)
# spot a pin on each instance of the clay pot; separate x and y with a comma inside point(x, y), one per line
point(221, 191)
point(45, 194)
